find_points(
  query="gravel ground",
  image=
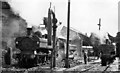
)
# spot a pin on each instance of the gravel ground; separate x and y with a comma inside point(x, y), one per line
point(115, 66)
point(75, 66)
point(90, 67)
point(72, 63)
point(42, 67)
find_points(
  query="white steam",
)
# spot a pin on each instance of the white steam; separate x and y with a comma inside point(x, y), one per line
point(32, 11)
point(98, 38)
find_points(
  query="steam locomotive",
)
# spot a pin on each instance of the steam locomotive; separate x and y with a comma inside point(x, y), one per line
point(116, 40)
point(107, 53)
point(31, 53)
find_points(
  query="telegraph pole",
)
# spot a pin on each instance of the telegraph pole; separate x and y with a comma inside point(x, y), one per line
point(67, 45)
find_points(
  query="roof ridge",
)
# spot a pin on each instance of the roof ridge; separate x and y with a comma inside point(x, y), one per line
point(73, 29)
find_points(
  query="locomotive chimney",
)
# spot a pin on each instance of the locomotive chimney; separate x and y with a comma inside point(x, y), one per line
point(29, 30)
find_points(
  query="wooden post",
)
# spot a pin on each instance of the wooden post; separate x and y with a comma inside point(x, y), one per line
point(67, 45)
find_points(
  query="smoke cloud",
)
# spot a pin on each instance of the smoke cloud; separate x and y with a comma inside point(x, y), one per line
point(32, 11)
point(97, 39)
point(12, 26)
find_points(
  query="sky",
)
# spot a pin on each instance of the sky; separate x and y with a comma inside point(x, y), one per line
point(84, 14)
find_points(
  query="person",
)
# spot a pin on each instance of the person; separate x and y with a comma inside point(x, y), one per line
point(85, 56)
point(7, 57)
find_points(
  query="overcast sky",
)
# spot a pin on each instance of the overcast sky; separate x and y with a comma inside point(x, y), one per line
point(84, 17)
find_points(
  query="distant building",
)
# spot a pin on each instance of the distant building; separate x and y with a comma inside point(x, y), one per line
point(76, 40)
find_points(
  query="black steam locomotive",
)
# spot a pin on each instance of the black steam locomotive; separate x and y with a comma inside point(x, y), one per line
point(116, 40)
point(31, 54)
point(107, 54)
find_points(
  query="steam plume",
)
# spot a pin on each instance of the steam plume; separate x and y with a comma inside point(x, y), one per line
point(32, 11)
point(12, 26)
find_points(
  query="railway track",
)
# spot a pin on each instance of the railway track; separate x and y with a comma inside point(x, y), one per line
point(97, 68)
point(83, 67)
point(111, 67)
